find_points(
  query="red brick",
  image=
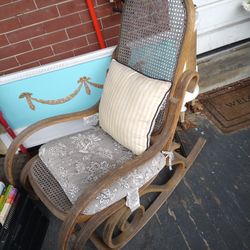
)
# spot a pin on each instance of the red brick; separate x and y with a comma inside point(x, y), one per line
point(70, 45)
point(85, 17)
point(62, 22)
point(92, 38)
point(8, 63)
point(53, 37)
point(3, 2)
point(57, 57)
point(15, 8)
point(23, 67)
point(3, 41)
point(14, 49)
point(34, 55)
point(100, 2)
point(38, 16)
point(111, 21)
point(44, 3)
point(49, 39)
point(29, 65)
point(80, 30)
point(104, 10)
point(26, 33)
point(112, 41)
point(71, 7)
point(86, 49)
point(9, 25)
point(111, 32)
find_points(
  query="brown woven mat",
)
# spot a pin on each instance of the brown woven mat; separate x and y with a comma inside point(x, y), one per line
point(229, 107)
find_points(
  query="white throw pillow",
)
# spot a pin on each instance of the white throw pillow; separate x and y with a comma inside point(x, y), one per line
point(129, 106)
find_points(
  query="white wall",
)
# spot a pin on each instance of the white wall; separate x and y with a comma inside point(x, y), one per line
point(221, 22)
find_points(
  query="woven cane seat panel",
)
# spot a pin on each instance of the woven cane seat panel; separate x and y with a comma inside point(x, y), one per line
point(78, 161)
point(50, 186)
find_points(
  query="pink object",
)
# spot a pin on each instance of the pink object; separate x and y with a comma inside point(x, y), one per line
point(12, 196)
point(7, 206)
point(11, 132)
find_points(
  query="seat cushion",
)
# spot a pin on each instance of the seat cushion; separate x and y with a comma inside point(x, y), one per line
point(79, 160)
point(129, 106)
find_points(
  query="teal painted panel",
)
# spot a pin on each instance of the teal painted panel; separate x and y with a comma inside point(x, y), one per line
point(51, 86)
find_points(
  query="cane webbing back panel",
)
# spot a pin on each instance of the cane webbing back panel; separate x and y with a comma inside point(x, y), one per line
point(49, 186)
point(151, 36)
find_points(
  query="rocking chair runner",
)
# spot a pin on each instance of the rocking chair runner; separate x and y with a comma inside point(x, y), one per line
point(157, 40)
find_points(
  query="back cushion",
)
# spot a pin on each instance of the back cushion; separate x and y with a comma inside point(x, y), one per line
point(129, 106)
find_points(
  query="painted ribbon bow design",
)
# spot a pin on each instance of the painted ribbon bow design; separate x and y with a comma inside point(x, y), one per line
point(84, 81)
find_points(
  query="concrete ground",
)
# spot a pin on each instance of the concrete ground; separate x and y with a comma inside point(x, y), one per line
point(224, 67)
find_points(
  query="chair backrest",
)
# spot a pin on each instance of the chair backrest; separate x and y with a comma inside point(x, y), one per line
point(151, 39)
point(151, 36)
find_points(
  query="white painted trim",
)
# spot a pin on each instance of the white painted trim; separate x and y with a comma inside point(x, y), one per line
point(222, 26)
point(200, 3)
point(220, 37)
point(233, 14)
point(219, 23)
point(48, 133)
point(57, 65)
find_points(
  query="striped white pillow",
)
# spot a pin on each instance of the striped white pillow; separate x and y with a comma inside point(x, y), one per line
point(129, 106)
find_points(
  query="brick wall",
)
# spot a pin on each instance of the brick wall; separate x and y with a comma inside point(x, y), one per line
point(37, 32)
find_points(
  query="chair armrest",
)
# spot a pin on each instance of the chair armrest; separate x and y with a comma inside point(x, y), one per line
point(187, 82)
point(26, 133)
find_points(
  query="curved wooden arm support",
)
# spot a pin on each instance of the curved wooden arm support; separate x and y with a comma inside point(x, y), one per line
point(8, 163)
point(165, 138)
point(187, 78)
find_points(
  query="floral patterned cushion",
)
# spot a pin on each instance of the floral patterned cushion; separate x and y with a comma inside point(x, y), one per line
point(78, 160)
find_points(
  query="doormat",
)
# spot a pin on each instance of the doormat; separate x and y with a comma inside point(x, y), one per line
point(229, 107)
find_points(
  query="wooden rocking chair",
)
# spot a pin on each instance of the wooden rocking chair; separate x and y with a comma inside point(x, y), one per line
point(157, 41)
